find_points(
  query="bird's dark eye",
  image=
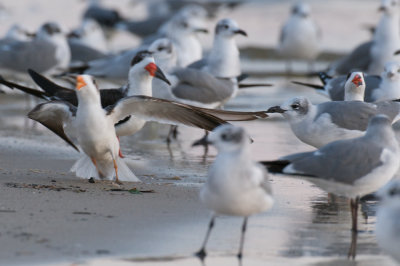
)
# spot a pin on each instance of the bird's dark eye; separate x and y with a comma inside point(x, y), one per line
point(160, 48)
point(295, 106)
point(393, 192)
point(185, 25)
point(226, 26)
point(224, 137)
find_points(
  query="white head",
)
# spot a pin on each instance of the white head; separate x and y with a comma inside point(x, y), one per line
point(390, 6)
point(354, 87)
point(391, 71)
point(296, 108)
point(143, 68)
point(182, 26)
point(198, 15)
point(164, 53)
point(390, 192)
point(301, 9)
point(229, 138)
point(16, 32)
point(228, 28)
point(87, 89)
point(49, 30)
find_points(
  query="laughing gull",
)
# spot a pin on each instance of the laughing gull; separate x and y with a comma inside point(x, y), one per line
point(350, 168)
point(387, 229)
point(94, 126)
point(182, 32)
point(223, 60)
point(358, 59)
point(318, 125)
point(16, 33)
point(46, 53)
point(300, 36)
point(158, 23)
point(371, 56)
point(378, 88)
point(236, 185)
point(386, 39)
point(106, 17)
point(90, 34)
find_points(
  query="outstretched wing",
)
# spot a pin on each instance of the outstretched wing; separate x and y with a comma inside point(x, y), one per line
point(54, 115)
point(164, 111)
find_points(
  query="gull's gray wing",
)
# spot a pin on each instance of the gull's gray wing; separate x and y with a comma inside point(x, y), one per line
point(336, 161)
point(200, 86)
point(199, 64)
point(352, 115)
point(83, 53)
point(54, 115)
point(335, 88)
point(234, 115)
point(163, 111)
point(373, 82)
point(19, 56)
point(358, 60)
point(114, 67)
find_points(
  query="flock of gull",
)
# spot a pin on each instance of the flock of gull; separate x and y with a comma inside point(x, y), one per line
point(168, 80)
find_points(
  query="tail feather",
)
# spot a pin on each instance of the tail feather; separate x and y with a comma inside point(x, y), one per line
point(276, 167)
point(12, 85)
point(245, 85)
point(47, 85)
point(317, 87)
point(84, 168)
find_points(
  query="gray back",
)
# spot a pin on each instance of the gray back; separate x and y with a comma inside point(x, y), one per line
point(200, 86)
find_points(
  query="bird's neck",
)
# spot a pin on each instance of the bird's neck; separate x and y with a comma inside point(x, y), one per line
point(224, 60)
point(382, 135)
point(139, 84)
point(388, 27)
point(354, 95)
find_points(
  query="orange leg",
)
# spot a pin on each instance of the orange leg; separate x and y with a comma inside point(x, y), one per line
point(119, 152)
point(95, 164)
point(116, 173)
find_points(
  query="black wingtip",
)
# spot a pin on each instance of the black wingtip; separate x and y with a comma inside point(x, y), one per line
point(324, 77)
point(314, 86)
point(275, 167)
point(245, 86)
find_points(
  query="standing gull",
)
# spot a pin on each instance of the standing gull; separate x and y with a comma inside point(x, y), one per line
point(378, 88)
point(236, 185)
point(47, 52)
point(318, 125)
point(223, 61)
point(350, 168)
point(94, 126)
point(300, 36)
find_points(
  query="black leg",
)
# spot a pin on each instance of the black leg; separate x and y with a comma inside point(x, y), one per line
point(202, 252)
point(244, 226)
point(354, 229)
point(353, 246)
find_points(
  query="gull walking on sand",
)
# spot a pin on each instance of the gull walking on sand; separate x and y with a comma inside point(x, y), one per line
point(236, 185)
